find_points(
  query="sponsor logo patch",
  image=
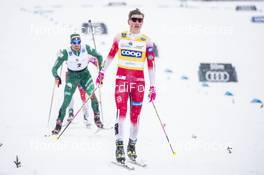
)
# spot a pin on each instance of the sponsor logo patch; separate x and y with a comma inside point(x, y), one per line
point(131, 53)
point(150, 49)
point(136, 103)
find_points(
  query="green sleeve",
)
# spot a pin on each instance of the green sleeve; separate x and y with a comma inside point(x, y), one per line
point(62, 56)
point(94, 53)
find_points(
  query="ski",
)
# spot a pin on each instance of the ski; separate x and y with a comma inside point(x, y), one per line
point(88, 126)
point(54, 136)
point(138, 163)
point(50, 135)
point(124, 165)
point(104, 128)
point(1, 144)
point(47, 135)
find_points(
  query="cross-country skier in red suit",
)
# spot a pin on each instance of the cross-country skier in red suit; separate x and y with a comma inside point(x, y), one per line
point(133, 49)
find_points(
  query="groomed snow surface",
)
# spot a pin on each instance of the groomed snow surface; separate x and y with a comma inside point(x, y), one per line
point(212, 133)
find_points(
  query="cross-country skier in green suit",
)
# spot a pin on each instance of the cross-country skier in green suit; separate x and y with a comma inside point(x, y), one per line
point(77, 57)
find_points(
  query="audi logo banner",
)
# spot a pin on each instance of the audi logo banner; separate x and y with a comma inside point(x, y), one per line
point(217, 72)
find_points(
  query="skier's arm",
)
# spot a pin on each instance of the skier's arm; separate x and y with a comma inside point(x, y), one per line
point(108, 61)
point(111, 54)
point(62, 56)
point(151, 62)
point(151, 69)
point(96, 55)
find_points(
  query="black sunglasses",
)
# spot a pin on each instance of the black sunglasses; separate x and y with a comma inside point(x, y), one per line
point(137, 19)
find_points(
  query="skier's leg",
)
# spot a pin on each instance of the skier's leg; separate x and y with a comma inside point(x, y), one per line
point(68, 92)
point(121, 97)
point(88, 85)
point(70, 110)
point(137, 97)
point(82, 93)
point(136, 100)
point(71, 105)
point(85, 107)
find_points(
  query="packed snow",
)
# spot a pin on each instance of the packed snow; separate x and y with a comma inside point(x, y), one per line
point(212, 133)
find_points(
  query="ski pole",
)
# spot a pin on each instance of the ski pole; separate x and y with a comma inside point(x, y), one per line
point(68, 124)
point(52, 96)
point(100, 96)
point(162, 126)
point(92, 31)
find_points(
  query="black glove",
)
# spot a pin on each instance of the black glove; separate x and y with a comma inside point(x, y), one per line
point(58, 80)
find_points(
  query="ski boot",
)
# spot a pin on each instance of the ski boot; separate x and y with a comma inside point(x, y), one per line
point(57, 127)
point(97, 120)
point(131, 150)
point(71, 115)
point(120, 154)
